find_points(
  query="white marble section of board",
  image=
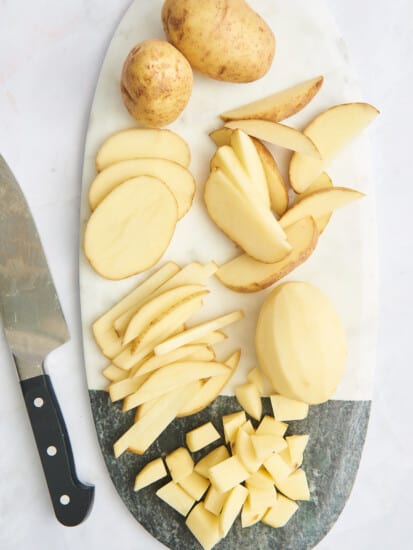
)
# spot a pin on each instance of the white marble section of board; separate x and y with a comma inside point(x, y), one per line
point(344, 264)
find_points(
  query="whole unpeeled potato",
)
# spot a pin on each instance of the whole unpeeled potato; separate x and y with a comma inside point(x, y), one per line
point(223, 39)
point(156, 83)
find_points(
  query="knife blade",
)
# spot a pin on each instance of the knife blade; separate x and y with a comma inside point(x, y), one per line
point(34, 325)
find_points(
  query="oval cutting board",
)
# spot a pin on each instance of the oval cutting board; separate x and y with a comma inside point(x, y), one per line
point(343, 266)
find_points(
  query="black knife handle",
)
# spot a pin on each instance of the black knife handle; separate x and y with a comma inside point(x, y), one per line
point(72, 500)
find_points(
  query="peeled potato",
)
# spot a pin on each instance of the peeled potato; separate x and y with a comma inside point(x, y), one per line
point(131, 228)
point(301, 344)
point(223, 39)
point(156, 83)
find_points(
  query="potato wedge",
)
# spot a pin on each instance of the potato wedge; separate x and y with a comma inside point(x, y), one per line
point(135, 143)
point(320, 184)
point(152, 310)
point(244, 274)
point(255, 230)
point(123, 388)
point(151, 472)
point(191, 274)
point(319, 204)
point(173, 376)
point(143, 433)
point(276, 186)
point(247, 154)
point(102, 328)
point(211, 338)
point(195, 333)
point(114, 373)
point(330, 131)
point(131, 229)
point(277, 134)
point(178, 179)
point(211, 388)
point(249, 398)
point(280, 105)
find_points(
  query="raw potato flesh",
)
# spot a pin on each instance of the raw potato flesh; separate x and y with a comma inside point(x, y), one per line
point(319, 204)
point(281, 513)
point(143, 433)
point(331, 131)
point(156, 307)
point(285, 408)
point(192, 274)
point(277, 134)
point(300, 342)
point(227, 474)
point(178, 179)
point(195, 485)
point(294, 486)
point(151, 472)
point(170, 377)
point(232, 507)
point(176, 497)
point(256, 231)
point(102, 328)
point(320, 184)
point(296, 447)
point(280, 105)
point(276, 186)
point(180, 464)
point(270, 426)
point(244, 274)
point(200, 437)
point(216, 456)
point(195, 333)
point(114, 373)
point(157, 361)
point(211, 388)
point(249, 398)
point(159, 329)
point(245, 452)
point(204, 526)
point(255, 377)
point(214, 501)
point(131, 229)
point(244, 148)
point(231, 423)
point(135, 143)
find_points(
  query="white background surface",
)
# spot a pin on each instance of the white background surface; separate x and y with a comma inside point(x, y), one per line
point(50, 56)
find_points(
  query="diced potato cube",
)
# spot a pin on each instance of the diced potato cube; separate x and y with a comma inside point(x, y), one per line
point(294, 486)
point(255, 377)
point(260, 498)
point(176, 497)
point(204, 526)
point(270, 426)
point(201, 437)
point(244, 450)
point(249, 398)
point(231, 423)
point(151, 472)
point(180, 464)
point(214, 501)
point(195, 485)
point(288, 409)
point(249, 516)
point(214, 457)
point(260, 479)
point(232, 507)
point(296, 446)
point(265, 445)
point(277, 468)
point(227, 474)
point(248, 428)
point(281, 512)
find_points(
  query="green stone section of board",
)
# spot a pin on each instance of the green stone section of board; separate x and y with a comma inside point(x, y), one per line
point(337, 431)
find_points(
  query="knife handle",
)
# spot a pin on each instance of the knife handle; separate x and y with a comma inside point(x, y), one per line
point(72, 500)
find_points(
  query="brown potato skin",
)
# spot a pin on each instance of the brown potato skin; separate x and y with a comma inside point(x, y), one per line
point(223, 39)
point(156, 83)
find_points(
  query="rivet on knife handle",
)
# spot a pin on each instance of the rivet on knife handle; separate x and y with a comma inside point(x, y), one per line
point(71, 499)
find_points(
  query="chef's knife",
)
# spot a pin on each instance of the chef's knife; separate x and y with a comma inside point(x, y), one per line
point(34, 325)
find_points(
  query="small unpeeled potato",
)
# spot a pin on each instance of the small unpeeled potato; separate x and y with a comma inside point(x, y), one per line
point(224, 40)
point(156, 83)
point(130, 230)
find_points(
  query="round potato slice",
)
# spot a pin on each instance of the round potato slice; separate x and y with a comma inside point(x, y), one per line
point(136, 143)
point(178, 179)
point(131, 228)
